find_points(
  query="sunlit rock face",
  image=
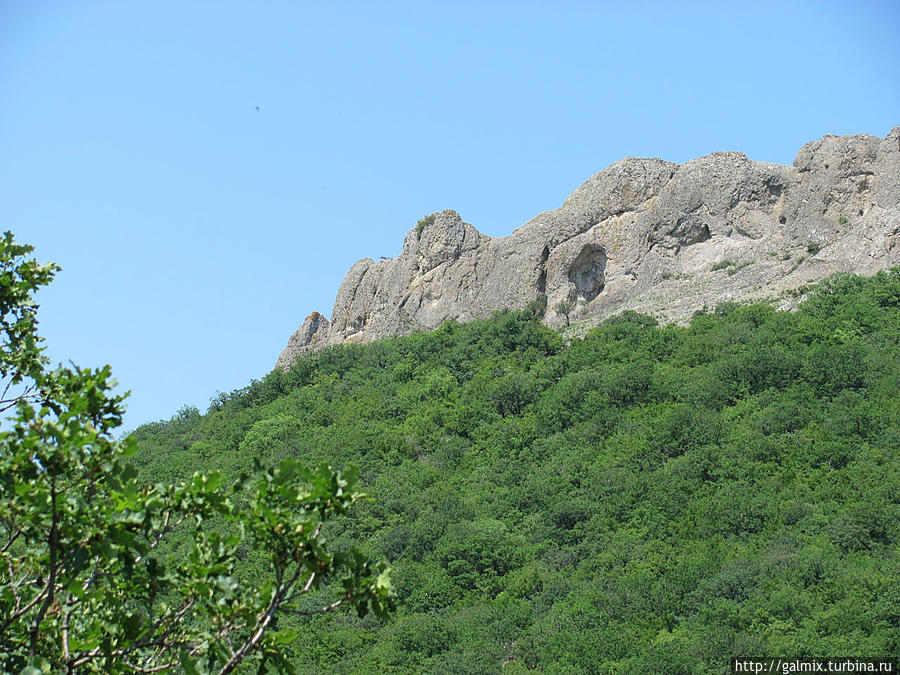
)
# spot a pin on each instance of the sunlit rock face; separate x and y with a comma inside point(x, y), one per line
point(642, 234)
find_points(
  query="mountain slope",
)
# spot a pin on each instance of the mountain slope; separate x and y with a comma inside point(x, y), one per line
point(645, 499)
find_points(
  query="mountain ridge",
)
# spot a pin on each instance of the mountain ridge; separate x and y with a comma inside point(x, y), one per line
point(642, 234)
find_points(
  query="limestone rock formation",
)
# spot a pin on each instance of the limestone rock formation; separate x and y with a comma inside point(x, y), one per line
point(307, 337)
point(643, 234)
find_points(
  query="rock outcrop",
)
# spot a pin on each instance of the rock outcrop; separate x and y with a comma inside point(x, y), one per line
point(643, 234)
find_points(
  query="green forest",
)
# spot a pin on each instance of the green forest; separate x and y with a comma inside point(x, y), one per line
point(645, 499)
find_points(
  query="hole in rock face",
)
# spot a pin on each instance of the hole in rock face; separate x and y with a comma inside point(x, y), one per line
point(687, 233)
point(782, 220)
point(587, 272)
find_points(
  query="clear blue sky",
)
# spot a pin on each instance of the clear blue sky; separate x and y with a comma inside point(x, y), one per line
point(196, 233)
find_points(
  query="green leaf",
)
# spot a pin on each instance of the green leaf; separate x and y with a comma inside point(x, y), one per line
point(129, 472)
point(130, 492)
point(190, 664)
point(133, 625)
point(284, 636)
point(213, 481)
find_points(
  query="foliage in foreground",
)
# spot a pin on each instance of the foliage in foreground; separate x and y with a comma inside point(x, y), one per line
point(90, 580)
point(648, 499)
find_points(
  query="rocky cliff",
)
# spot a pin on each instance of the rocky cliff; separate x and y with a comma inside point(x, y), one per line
point(643, 234)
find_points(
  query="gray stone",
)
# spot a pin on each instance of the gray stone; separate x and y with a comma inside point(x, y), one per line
point(642, 234)
point(307, 337)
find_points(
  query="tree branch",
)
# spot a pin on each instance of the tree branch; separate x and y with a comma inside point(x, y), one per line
point(151, 669)
point(166, 528)
point(264, 620)
point(323, 610)
point(51, 583)
point(144, 641)
point(15, 615)
point(10, 542)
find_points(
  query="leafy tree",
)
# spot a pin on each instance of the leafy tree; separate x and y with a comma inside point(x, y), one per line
point(21, 365)
point(565, 308)
point(101, 573)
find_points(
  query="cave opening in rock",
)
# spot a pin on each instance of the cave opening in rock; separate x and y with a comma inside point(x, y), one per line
point(588, 273)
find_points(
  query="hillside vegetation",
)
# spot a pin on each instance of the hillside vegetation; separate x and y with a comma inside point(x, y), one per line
point(646, 499)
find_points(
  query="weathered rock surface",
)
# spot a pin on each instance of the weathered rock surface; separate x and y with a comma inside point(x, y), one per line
point(643, 234)
point(306, 338)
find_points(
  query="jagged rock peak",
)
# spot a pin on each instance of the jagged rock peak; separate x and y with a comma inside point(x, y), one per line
point(642, 234)
point(307, 337)
point(440, 238)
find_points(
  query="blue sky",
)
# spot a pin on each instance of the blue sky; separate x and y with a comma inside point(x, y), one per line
point(196, 232)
